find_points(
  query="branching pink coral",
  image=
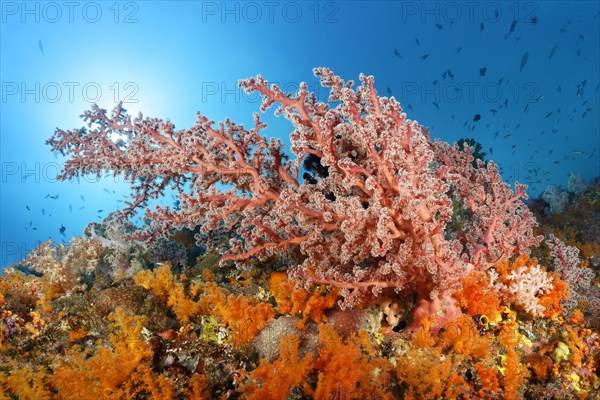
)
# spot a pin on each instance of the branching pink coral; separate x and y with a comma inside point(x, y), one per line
point(377, 218)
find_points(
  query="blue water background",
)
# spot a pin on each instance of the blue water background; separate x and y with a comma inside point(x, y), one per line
point(538, 113)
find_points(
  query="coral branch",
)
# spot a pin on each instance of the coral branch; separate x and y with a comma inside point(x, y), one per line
point(379, 215)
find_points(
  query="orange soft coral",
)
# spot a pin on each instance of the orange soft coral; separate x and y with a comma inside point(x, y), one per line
point(478, 298)
point(244, 316)
point(110, 371)
point(295, 300)
point(169, 289)
point(276, 380)
point(348, 369)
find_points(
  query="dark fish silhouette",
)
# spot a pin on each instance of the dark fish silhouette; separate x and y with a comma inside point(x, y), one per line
point(481, 27)
point(534, 20)
point(423, 57)
point(512, 29)
point(482, 71)
point(439, 26)
point(62, 229)
point(28, 209)
point(54, 197)
point(476, 117)
point(552, 52)
point(524, 59)
point(397, 53)
point(41, 47)
point(417, 40)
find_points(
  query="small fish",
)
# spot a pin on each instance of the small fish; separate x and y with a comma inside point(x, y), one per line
point(459, 49)
point(436, 105)
point(493, 111)
point(397, 53)
point(511, 29)
point(43, 212)
point(54, 197)
point(100, 211)
point(482, 71)
point(417, 40)
point(527, 108)
point(556, 162)
point(62, 229)
point(48, 195)
point(41, 47)
point(108, 191)
point(481, 27)
point(70, 208)
point(476, 117)
point(524, 59)
point(549, 114)
point(28, 209)
point(534, 20)
point(577, 152)
point(82, 199)
point(439, 26)
point(424, 57)
point(552, 52)
point(507, 136)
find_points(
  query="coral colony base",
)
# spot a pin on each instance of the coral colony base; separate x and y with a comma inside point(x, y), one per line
point(375, 264)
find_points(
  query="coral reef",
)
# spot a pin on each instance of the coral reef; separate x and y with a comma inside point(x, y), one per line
point(398, 268)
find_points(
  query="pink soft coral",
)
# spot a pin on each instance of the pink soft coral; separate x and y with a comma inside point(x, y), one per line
point(376, 218)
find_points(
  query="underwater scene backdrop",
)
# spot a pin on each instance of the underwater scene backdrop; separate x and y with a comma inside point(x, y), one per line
point(271, 200)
